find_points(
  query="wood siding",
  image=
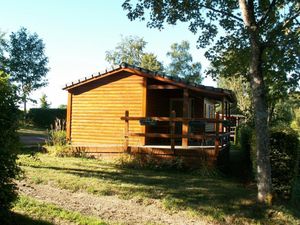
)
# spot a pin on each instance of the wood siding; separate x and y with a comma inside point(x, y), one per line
point(98, 106)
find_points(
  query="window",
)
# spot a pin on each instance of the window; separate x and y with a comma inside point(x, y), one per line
point(209, 110)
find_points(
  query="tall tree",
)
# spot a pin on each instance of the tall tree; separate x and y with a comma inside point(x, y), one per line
point(27, 63)
point(44, 103)
point(241, 89)
point(182, 64)
point(131, 50)
point(149, 61)
point(256, 31)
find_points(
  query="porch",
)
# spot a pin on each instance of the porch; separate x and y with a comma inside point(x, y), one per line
point(195, 144)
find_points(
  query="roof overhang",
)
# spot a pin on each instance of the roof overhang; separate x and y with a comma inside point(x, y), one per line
point(153, 75)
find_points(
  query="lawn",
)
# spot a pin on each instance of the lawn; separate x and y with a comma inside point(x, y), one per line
point(216, 199)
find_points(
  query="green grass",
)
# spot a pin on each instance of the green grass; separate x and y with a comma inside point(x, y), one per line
point(217, 198)
point(45, 213)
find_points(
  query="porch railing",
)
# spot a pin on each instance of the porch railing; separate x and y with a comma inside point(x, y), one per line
point(220, 135)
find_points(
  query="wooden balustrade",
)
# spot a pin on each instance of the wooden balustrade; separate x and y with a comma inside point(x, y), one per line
point(220, 138)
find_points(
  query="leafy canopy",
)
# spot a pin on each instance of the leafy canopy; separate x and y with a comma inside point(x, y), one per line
point(44, 102)
point(182, 63)
point(131, 50)
point(241, 89)
point(26, 62)
point(219, 24)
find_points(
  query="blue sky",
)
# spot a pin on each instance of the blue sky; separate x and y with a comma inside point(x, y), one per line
point(77, 33)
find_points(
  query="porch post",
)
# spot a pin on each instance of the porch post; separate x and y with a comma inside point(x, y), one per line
point(126, 143)
point(185, 122)
point(222, 114)
point(172, 131)
point(69, 117)
point(217, 140)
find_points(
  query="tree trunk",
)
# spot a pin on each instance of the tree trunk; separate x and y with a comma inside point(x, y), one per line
point(25, 106)
point(264, 183)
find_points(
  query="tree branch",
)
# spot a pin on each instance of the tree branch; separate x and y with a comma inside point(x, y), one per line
point(262, 20)
point(221, 12)
point(283, 25)
point(245, 12)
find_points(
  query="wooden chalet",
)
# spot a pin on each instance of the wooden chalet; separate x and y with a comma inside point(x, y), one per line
point(133, 110)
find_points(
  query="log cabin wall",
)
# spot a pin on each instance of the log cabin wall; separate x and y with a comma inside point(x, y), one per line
point(97, 108)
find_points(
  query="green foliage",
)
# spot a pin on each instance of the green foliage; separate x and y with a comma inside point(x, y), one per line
point(44, 118)
point(56, 143)
point(44, 102)
point(131, 50)
point(295, 124)
point(8, 143)
point(245, 145)
point(182, 63)
point(285, 112)
point(284, 155)
point(242, 91)
point(57, 137)
point(244, 137)
point(62, 106)
point(149, 162)
point(149, 61)
point(26, 62)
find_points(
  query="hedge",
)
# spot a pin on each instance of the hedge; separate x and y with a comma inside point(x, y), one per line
point(8, 145)
point(284, 157)
point(44, 118)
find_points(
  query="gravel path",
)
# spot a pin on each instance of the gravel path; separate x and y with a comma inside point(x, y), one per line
point(108, 208)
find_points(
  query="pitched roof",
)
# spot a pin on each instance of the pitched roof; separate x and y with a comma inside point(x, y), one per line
point(154, 75)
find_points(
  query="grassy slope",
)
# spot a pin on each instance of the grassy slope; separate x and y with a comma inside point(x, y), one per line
point(217, 199)
point(45, 212)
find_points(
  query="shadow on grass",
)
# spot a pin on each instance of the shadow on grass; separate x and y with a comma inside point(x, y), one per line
point(216, 196)
point(31, 150)
point(19, 219)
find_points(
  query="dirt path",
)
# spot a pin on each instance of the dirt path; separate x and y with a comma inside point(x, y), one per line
point(109, 208)
point(32, 140)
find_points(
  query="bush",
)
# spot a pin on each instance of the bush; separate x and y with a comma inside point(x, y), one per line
point(149, 161)
point(244, 144)
point(44, 118)
point(56, 143)
point(8, 144)
point(284, 157)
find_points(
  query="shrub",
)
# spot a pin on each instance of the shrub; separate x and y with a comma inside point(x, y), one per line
point(8, 143)
point(284, 157)
point(245, 143)
point(56, 138)
point(149, 161)
point(44, 118)
point(56, 143)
